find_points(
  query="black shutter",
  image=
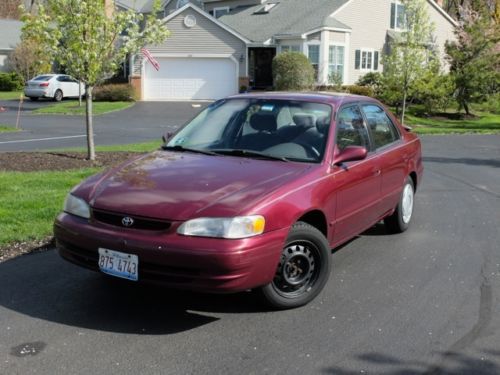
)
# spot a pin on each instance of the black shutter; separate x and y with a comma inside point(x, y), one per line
point(375, 61)
point(393, 16)
point(357, 60)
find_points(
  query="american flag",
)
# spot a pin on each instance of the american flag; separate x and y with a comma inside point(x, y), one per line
point(151, 59)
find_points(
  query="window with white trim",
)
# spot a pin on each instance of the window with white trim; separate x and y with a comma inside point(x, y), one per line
point(220, 11)
point(366, 59)
point(398, 16)
point(290, 48)
point(313, 55)
point(181, 3)
point(336, 61)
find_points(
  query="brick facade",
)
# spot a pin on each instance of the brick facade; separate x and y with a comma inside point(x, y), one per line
point(10, 9)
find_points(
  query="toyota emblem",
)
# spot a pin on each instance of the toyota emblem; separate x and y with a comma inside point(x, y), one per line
point(127, 221)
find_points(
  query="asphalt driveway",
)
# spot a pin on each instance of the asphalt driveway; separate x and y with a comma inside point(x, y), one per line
point(144, 121)
point(423, 302)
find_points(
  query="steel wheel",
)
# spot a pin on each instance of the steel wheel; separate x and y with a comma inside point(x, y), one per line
point(400, 220)
point(407, 203)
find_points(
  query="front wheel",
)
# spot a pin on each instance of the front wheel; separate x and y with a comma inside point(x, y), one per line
point(400, 220)
point(58, 96)
point(303, 269)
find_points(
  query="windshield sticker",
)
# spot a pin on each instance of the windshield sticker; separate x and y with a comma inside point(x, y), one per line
point(267, 107)
point(180, 141)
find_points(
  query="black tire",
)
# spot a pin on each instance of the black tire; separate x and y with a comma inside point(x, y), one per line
point(400, 220)
point(303, 270)
point(58, 96)
point(33, 98)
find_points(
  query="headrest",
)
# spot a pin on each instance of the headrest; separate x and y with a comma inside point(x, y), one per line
point(323, 124)
point(305, 120)
point(261, 121)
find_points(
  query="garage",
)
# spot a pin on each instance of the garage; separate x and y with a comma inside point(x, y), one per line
point(190, 78)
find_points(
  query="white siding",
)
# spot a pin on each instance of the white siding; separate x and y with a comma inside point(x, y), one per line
point(370, 20)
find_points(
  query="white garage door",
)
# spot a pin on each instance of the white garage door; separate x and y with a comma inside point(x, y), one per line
point(190, 78)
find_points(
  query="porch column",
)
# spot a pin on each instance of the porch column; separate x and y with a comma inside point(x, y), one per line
point(323, 57)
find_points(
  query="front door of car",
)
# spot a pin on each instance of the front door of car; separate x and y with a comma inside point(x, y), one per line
point(357, 183)
point(388, 146)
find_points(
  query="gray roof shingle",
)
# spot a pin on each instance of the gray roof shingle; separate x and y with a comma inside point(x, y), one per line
point(10, 30)
point(289, 17)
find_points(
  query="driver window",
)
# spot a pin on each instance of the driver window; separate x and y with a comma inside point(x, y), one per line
point(351, 130)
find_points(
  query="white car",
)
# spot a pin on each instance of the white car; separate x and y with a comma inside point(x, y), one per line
point(55, 86)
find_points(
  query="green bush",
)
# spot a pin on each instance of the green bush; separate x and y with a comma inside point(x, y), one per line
point(114, 93)
point(292, 71)
point(360, 90)
point(373, 79)
point(492, 104)
point(11, 82)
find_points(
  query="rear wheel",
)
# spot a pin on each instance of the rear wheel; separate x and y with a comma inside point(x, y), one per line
point(58, 96)
point(303, 269)
point(400, 220)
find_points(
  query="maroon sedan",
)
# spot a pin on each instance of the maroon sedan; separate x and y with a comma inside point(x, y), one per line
point(253, 193)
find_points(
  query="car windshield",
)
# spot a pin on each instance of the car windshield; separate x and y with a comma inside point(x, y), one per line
point(42, 78)
point(274, 129)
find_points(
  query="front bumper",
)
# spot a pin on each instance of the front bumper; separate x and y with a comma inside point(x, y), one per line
point(195, 263)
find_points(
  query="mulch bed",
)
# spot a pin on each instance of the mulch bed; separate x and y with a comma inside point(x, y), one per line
point(50, 161)
point(53, 161)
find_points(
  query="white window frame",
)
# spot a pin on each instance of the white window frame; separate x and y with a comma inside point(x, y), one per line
point(370, 51)
point(344, 62)
point(289, 47)
point(177, 5)
point(226, 9)
point(397, 4)
point(314, 43)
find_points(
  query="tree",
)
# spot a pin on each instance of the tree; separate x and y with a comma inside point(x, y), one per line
point(407, 60)
point(474, 57)
point(28, 60)
point(91, 40)
point(292, 71)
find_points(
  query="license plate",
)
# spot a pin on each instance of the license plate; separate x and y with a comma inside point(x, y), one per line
point(119, 264)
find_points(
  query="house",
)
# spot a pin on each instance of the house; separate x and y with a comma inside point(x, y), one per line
point(10, 30)
point(216, 46)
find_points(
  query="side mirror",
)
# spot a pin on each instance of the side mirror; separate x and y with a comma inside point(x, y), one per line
point(351, 153)
point(165, 137)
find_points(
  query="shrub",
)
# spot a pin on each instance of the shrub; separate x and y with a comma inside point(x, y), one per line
point(360, 90)
point(292, 71)
point(373, 79)
point(11, 82)
point(114, 93)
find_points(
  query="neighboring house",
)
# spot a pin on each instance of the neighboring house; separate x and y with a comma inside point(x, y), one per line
point(218, 45)
point(10, 30)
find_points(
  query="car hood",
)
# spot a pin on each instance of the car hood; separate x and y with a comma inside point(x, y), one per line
point(179, 186)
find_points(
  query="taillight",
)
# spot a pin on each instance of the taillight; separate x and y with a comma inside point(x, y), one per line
point(45, 84)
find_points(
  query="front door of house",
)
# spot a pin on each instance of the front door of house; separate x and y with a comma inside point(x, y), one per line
point(262, 61)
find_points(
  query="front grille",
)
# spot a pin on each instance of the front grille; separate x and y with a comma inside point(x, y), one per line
point(139, 222)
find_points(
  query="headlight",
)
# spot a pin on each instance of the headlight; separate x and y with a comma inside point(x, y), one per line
point(76, 206)
point(231, 227)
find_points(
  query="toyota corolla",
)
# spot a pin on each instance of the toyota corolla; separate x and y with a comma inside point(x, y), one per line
point(253, 193)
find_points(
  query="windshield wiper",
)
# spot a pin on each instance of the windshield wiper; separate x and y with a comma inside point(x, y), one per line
point(182, 149)
point(248, 153)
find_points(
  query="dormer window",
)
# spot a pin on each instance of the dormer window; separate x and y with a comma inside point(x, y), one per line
point(266, 8)
point(181, 3)
point(220, 11)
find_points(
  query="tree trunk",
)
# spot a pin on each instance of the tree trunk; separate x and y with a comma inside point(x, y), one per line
point(79, 94)
point(88, 118)
point(404, 109)
point(466, 108)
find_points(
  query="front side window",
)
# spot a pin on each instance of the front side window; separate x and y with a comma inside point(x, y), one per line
point(273, 128)
point(383, 130)
point(336, 61)
point(351, 130)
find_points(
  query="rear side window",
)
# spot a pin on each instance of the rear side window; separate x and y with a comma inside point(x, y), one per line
point(42, 78)
point(351, 130)
point(383, 130)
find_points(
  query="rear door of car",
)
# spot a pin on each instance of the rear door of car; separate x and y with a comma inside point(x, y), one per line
point(389, 148)
point(357, 183)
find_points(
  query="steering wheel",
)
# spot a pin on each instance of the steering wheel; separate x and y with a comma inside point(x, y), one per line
point(310, 149)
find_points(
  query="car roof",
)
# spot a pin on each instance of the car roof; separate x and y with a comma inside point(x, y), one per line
point(334, 98)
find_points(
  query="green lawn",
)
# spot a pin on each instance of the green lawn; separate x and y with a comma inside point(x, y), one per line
point(29, 202)
point(484, 123)
point(8, 95)
point(135, 147)
point(72, 108)
point(7, 128)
